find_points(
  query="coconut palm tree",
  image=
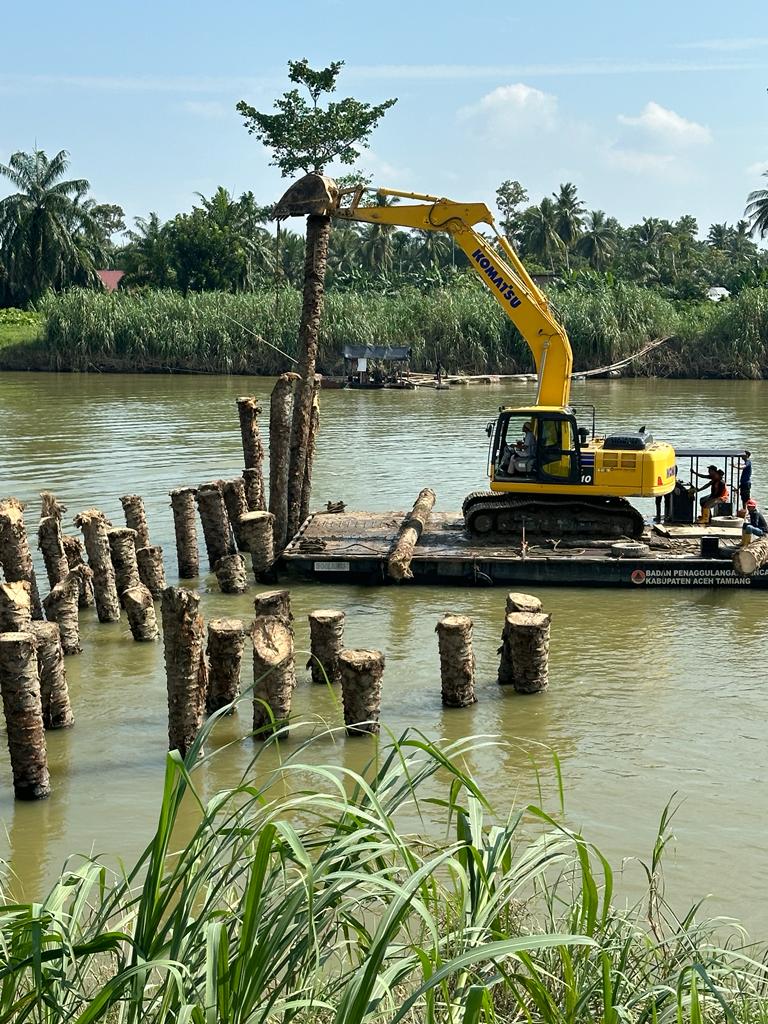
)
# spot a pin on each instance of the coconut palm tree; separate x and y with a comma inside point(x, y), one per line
point(147, 257)
point(48, 237)
point(757, 210)
point(719, 236)
point(540, 235)
point(569, 216)
point(597, 243)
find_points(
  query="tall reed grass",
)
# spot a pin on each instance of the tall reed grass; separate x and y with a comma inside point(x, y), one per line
point(322, 906)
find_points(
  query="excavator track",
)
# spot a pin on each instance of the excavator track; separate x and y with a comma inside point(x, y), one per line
point(489, 514)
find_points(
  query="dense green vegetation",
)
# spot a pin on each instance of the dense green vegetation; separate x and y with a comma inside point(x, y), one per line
point(19, 327)
point(322, 906)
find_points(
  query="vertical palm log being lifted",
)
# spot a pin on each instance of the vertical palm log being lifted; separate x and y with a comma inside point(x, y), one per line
point(548, 474)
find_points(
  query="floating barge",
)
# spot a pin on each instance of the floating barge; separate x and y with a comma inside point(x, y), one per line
point(352, 547)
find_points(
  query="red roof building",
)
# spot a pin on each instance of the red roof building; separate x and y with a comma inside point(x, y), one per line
point(111, 278)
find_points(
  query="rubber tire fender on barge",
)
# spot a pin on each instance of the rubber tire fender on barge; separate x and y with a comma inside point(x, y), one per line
point(491, 513)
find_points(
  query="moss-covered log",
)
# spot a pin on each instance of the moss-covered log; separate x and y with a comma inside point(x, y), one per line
point(274, 674)
point(457, 660)
point(326, 642)
point(185, 528)
point(54, 692)
point(280, 417)
point(185, 666)
point(15, 556)
point(20, 687)
point(412, 527)
point(136, 518)
point(217, 531)
point(140, 609)
point(50, 540)
point(226, 639)
point(94, 526)
point(152, 570)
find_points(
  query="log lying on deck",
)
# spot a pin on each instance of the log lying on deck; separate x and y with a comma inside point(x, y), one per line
point(50, 541)
point(20, 686)
point(185, 528)
point(748, 560)
point(399, 561)
point(94, 526)
point(274, 674)
point(185, 666)
point(15, 556)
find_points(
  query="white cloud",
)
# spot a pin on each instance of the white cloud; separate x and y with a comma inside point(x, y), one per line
point(635, 161)
point(211, 110)
point(661, 124)
point(727, 45)
point(384, 173)
point(511, 110)
point(457, 72)
point(758, 168)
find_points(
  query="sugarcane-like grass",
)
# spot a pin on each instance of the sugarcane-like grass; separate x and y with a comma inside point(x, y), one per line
point(318, 904)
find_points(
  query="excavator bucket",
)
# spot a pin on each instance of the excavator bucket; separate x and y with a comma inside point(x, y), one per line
point(312, 194)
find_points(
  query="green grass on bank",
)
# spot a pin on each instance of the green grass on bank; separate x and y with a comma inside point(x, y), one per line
point(18, 327)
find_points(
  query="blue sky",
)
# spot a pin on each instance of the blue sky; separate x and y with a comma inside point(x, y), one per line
point(649, 108)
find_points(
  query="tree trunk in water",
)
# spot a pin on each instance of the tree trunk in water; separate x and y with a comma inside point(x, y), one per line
point(61, 606)
point(274, 675)
point(516, 602)
point(249, 411)
point(326, 632)
point(15, 607)
point(315, 261)
point(274, 603)
point(140, 609)
point(226, 640)
point(216, 527)
point(54, 693)
point(361, 678)
point(257, 529)
point(457, 660)
point(399, 561)
point(231, 574)
point(75, 551)
point(94, 527)
point(280, 418)
point(255, 496)
point(185, 668)
point(152, 570)
point(314, 427)
point(136, 518)
point(15, 556)
point(20, 686)
point(527, 649)
point(50, 541)
point(122, 547)
point(185, 528)
point(749, 559)
point(236, 504)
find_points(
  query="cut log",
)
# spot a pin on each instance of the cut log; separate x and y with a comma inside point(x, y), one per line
point(140, 609)
point(274, 675)
point(237, 506)
point(75, 551)
point(54, 693)
point(50, 541)
point(15, 556)
point(152, 570)
point(217, 531)
point(748, 560)
point(136, 518)
point(527, 649)
point(516, 602)
point(274, 603)
point(248, 411)
point(122, 547)
point(399, 561)
point(361, 673)
point(185, 666)
point(257, 529)
point(185, 528)
point(231, 575)
point(226, 640)
point(280, 417)
point(20, 687)
point(15, 607)
point(61, 607)
point(457, 660)
point(94, 526)
point(326, 632)
point(314, 429)
point(255, 498)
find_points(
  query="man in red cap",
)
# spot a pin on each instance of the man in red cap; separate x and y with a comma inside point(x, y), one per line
point(754, 523)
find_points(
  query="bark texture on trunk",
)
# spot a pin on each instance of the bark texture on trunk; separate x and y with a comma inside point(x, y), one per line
point(136, 518)
point(122, 547)
point(399, 561)
point(75, 558)
point(255, 496)
point(54, 692)
point(50, 541)
point(516, 602)
point(315, 262)
point(15, 556)
point(185, 528)
point(280, 419)
point(326, 633)
point(749, 559)
point(231, 575)
point(62, 604)
point(274, 674)
point(249, 410)
point(237, 505)
point(274, 602)
point(217, 531)
point(457, 660)
point(15, 607)
point(226, 639)
point(152, 570)
point(185, 667)
point(94, 526)
point(526, 649)
point(257, 529)
point(20, 686)
point(140, 609)
point(362, 672)
point(314, 428)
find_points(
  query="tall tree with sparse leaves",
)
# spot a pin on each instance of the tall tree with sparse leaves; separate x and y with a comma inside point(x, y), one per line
point(306, 135)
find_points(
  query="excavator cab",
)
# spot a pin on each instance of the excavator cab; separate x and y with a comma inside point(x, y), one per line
point(538, 446)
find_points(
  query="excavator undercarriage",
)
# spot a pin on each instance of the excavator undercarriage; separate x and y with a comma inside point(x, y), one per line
point(489, 514)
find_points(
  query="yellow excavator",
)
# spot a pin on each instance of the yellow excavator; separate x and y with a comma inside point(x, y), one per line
point(548, 475)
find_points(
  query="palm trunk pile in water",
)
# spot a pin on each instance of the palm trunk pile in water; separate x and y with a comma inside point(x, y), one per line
point(50, 540)
point(73, 547)
point(274, 602)
point(361, 673)
point(231, 575)
point(122, 547)
point(326, 632)
point(516, 602)
point(226, 640)
point(236, 504)
point(257, 529)
point(314, 427)
point(15, 556)
point(399, 561)
point(217, 531)
point(526, 648)
point(185, 666)
point(15, 607)
point(274, 674)
point(54, 693)
point(457, 660)
point(249, 410)
point(280, 419)
point(62, 604)
point(140, 609)
point(255, 498)
point(185, 528)
point(94, 526)
point(152, 570)
point(136, 518)
point(20, 686)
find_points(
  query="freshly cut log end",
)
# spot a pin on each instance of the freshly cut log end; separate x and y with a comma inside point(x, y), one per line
point(217, 531)
point(140, 609)
point(274, 675)
point(15, 556)
point(15, 607)
point(61, 607)
point(526, 651)
point(326, 631)
point(185, 528)
point(73, 547)
point(401, 555)
point(136, 518)
point(362, 672)
point(185, 666)
point(257, 530)
point(748, 560)
point(457, 660)
point(231, 574)
point(20, 687)
point(152, 570)
point(274, 602)
point(54, 692)
point(94, 526)
point(517, 602)
point(226, 640)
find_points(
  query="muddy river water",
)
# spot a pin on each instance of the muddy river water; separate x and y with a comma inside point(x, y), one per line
point(653, 692)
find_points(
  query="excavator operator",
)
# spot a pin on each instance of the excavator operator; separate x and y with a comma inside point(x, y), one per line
point(520, 457)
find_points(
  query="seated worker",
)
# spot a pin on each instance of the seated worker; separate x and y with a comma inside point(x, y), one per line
point(520, 457)
point(718, 491)
point(754, 523)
